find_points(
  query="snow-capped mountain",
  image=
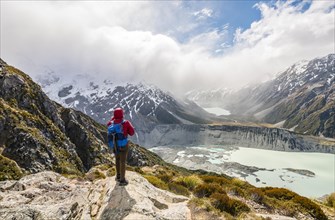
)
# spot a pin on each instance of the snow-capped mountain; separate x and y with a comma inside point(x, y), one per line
point(300, 98)
point(144, 104)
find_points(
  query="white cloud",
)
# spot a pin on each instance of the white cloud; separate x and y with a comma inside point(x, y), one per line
point(203, 13)
point(137, 41)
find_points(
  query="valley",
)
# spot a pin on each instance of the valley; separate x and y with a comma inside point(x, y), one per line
point(297, 171)
point(167, 110)
point(38, 134)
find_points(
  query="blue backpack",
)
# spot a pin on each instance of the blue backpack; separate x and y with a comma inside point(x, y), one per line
point(116, 139)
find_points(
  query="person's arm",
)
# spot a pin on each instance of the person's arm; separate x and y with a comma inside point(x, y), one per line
point(130, 129)
point(110, 122)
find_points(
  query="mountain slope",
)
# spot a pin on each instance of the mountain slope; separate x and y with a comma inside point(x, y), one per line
point(145, 105)
point(301, 98)
point(39, 134)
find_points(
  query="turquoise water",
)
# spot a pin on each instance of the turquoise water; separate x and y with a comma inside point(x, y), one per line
point(323, 165)
point(213, 158)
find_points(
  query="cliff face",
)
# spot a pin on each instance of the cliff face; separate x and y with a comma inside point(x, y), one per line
point(244, 136)
point(39, 134)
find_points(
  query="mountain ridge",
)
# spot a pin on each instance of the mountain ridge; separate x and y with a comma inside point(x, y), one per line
point(37, 134)
point(301, 98)
point(32, 124)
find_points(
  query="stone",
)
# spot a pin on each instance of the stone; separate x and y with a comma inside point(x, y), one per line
point(48, 195)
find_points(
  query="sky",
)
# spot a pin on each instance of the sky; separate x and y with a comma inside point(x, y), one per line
point(177, 45)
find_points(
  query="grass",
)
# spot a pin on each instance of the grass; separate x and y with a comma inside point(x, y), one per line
point(208, 192)
point(9, 170)
point(331, 200)
point(95, 174)
point(178, 189)
point(207, 189)
point(292, 203)
point(156, 182)
point(190, 182)
point(225, 204)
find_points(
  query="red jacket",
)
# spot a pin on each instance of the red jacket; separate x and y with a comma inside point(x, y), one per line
point(128, 128)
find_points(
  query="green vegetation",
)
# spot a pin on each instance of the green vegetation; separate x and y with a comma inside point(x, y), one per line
point(95, 174)
point(256, 195)
point(292, 202)
point(208, 192)
point(225, 204)
point(190, 182)
point(207, 189)
point(111, 172)
point(156, 182)
point(9, 170)
point(178, 189)
point(331, 200)
point(312, 118)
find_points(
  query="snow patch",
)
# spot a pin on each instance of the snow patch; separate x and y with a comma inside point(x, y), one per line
point(293, 128)
point(279, 124)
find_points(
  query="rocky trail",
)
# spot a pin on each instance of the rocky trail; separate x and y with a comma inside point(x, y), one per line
point(48, 195)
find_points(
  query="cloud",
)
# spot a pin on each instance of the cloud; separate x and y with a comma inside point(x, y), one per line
point(150, 41)
point(203, 13)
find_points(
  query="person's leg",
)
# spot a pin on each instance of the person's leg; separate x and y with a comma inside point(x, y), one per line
point(123, 158)
point(117, 166)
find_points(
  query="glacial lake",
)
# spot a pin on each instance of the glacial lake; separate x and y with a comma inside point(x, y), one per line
point(309, 174)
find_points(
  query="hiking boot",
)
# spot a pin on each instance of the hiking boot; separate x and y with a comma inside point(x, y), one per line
point(123, 183)
point(117, 178)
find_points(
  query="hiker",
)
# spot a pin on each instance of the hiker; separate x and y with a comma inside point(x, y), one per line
point(118, 131)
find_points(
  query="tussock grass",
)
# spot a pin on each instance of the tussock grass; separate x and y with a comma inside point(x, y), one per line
point(190, 182)
point(156, 182)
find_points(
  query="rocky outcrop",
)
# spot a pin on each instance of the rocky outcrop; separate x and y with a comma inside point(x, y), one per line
point(39, 134)
point(48, 195)
point(237, 135)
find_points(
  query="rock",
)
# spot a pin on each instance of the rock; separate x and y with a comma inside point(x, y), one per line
point(236, 135)
point(48, 195)
point(39, 134)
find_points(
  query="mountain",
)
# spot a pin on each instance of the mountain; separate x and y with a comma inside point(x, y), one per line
point(301, 98)
point(144, 104)
point(39, 136)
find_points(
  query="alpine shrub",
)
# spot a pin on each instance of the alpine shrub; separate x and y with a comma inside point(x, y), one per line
point(178, 189)
point(215, 179)
point(313, 209)
point(331, 200)
point(165, 177)
point(156, 182)
point(236, 191)
point(279, 193)
point(225, 204)
point(257, 195)
point(206, 190)
point(189, 182)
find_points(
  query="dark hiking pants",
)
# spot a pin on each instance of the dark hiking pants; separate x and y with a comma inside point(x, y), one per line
point(120, 163)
